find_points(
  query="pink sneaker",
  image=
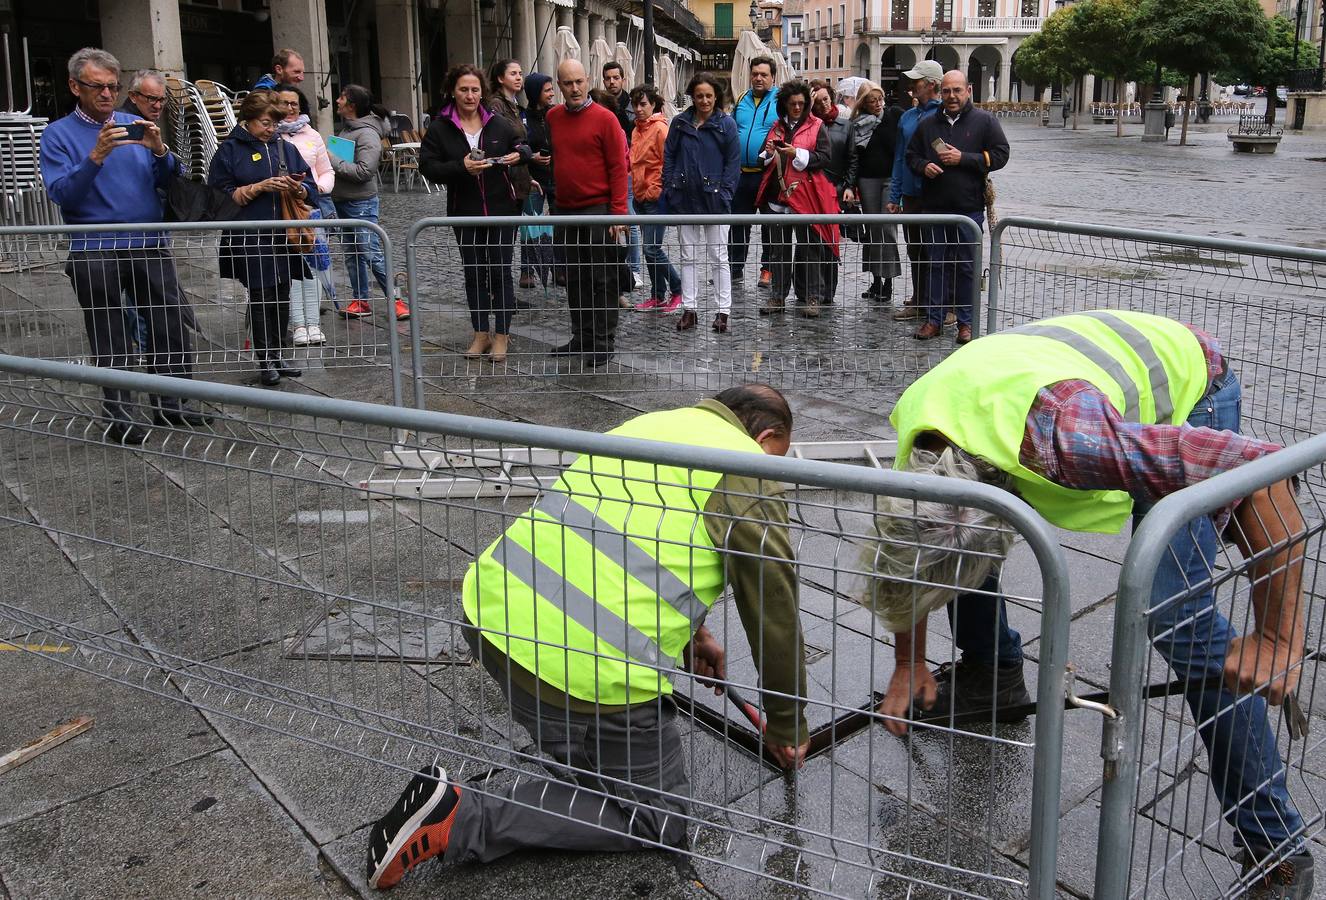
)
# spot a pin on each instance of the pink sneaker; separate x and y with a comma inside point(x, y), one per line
point(674, 302)
point(651, 303)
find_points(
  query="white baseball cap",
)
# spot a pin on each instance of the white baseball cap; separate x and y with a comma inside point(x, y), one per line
point(928, 69)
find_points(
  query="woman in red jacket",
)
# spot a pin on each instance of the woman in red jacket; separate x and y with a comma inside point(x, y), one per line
point(651, 132)
point(794, 157)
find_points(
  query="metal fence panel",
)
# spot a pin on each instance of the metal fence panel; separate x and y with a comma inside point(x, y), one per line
point(41, 314)
point(841, 340)
point(282, 569)
point(1159, 808)
point(1263, 302)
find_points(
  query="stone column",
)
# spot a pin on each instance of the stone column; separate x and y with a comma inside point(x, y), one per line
point(143, 34)
point(522, 33)
point(544, 31)
point(398, 55)
point(582, 34)
point(1005, 75)
point(302, 25)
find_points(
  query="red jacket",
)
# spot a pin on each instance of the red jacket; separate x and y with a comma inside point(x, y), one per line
point(808, 192)
point(589, 158)
point(647, 157)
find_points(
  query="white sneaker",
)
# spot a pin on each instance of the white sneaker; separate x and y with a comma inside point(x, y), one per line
point(301, 336)
point(639, 280)
point(315, 335)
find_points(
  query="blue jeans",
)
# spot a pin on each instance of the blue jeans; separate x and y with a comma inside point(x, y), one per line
point(632, 233)
point(663, 278)
point(363, 249)
point(1191, 633)
point(952, 271)
point(1193, 637)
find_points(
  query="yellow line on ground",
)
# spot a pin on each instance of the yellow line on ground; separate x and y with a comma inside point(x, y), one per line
point(35, 648)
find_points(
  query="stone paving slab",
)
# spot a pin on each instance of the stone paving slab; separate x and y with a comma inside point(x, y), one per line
point(203, 825)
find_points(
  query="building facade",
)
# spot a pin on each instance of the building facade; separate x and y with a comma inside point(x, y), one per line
point(880, 39)
point(399, 49)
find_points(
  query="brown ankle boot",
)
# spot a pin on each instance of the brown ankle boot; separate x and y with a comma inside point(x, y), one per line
point(479, 346)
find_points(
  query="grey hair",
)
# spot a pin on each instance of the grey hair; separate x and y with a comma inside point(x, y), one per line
point(146, 75)
point(92, 56)
point(930, 551)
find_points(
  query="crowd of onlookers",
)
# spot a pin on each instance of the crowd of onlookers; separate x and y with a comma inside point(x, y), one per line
point(503, 145)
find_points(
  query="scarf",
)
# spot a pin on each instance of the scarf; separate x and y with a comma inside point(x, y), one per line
point(287, 126)
point(832, 114)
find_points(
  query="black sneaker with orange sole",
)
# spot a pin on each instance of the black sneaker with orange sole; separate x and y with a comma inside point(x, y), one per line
point(415, 829)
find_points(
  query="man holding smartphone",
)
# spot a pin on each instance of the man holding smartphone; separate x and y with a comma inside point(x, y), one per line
point(105, 167)
point(953, 152)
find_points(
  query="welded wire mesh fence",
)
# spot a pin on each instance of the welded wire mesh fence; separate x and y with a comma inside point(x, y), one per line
point(1264, 303)
point(1211, 792)
point(281, 568)
point(175, 298)
point(587, 310)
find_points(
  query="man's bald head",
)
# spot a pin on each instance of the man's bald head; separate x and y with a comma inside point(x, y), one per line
point(954, 91)
point(572, 80)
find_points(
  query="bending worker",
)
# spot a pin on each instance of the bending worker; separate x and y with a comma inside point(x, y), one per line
point(581, 608)
point(1090, 418)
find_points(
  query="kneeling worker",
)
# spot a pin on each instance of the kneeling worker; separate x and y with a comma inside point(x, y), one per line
point(580, 609)
point(1084, 416)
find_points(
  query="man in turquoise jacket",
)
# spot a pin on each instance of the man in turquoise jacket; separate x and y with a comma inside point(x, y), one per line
point(755, 115)
point(905, 185)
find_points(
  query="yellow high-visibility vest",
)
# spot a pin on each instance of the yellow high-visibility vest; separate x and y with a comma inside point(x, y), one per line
point(603, 582)
point(1151, 368)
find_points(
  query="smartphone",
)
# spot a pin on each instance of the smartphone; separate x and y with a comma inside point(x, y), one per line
point(135, 131)
point(477, 155)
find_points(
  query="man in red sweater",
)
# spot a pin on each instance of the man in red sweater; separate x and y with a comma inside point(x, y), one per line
point(589, 168)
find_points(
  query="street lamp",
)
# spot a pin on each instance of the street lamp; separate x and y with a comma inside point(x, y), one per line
point(754, 16)
point(936, 35)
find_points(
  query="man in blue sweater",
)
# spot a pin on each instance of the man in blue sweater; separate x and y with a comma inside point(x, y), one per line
point(98, 173)
point(755, 115)
point(905, 185)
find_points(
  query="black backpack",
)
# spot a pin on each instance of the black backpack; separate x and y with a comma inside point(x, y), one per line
point(194, 201)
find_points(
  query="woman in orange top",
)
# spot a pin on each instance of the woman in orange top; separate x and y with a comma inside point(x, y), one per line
point(651, 130)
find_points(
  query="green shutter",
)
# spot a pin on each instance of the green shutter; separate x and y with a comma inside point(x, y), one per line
point(723, 20)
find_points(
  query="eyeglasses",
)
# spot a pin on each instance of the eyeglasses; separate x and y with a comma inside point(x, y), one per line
point(149, 98)
point(113, 87)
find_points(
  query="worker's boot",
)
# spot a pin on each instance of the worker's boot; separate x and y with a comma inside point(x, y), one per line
point(967, 687)
point(1289, 879)
point(416, 828)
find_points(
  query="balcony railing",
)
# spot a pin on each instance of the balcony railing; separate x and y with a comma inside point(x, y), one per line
point(868, 26)
point(677, 12)
point(836, 30)
point(1306, 81)
point(722, 33)
point(1003, 24)
point(824, 32)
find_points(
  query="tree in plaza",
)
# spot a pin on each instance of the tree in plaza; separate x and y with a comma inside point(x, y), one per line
point(1273, 62)
point(1061, 44)
point(1105, 34)
point(1034, 65)
point(1197, 36)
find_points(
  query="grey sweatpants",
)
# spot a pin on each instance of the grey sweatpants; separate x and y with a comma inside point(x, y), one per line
point(639, 745)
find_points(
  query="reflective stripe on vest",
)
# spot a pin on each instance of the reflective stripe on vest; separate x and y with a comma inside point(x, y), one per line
point(576, 605)
point(606, 539)
point(1137, 342)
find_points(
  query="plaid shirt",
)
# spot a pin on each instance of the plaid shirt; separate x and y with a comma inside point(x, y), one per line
point(1077, 439)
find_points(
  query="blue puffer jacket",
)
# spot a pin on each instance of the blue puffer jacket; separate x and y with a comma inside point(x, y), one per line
point(753, 123)
point(701, 166)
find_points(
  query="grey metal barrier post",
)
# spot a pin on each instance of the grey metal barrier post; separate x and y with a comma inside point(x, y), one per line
point(321, 594)
point(181, 298)
point(810, 325)
point(1122, 741)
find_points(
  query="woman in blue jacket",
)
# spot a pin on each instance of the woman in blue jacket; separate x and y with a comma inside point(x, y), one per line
point(701, 165)
point(255, 166)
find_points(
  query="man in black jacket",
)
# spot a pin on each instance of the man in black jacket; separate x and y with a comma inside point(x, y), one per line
point(954, 150)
